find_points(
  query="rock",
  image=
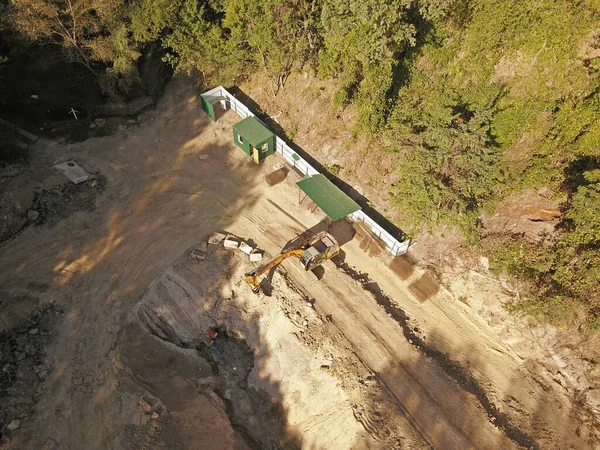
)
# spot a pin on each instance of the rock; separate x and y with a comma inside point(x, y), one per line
point(32, 215)
point(20, 356)
point(7, 367)
point(16, 423)
point(78, 381)
point(50, 444)
point(155, 415)
point(4, 440)
point(88, 379)
point(43, 374)
point(121, 127)
point(33, 331)
point(144, 405)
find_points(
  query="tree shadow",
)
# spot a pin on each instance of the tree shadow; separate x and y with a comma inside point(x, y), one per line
point(160, 197)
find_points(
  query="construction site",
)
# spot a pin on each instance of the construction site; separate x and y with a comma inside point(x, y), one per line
point(197, 292)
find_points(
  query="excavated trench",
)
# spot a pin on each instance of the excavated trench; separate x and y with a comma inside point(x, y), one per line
point(257, 417)
point(451, 368)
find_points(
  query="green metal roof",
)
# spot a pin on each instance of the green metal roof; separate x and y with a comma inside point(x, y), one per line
point(254, 131)
point(328, 197)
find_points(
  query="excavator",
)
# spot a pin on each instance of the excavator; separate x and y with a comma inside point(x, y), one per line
point(312, 252)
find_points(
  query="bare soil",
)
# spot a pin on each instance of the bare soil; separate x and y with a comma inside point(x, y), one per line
point(378, 354)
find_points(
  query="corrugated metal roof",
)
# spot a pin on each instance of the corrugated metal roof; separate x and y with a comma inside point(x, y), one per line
point(328, 197)
point(253, 131)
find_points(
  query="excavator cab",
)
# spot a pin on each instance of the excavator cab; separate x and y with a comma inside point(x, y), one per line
point(319, 252)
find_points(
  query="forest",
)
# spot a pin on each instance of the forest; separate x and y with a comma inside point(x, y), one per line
point(482, 99)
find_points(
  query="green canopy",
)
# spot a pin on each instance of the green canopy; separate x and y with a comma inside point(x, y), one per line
point(328, 197)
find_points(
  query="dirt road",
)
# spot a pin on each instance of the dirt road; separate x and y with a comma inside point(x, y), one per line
point(113, 385)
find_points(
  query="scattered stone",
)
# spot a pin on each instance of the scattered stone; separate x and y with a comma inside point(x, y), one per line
point(88, 379)
point(245, 248)
point(256, 255)
point(34, 330)
point(16, 423)
point(50, 444)
point(216, 238)
point(43, 374)
point(231, 243)
point(203, 157)
point(78, 381)
point(121, 127)
point(155, 415)
point(305, 323)
point(32, 215)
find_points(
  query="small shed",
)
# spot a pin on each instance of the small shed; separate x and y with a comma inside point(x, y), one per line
point(328, 197)
point(209, 99)
point(254, 139)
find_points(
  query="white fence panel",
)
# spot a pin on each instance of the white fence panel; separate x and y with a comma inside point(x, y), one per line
point(394, 246)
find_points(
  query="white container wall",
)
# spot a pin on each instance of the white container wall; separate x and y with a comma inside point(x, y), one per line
point(225, 98)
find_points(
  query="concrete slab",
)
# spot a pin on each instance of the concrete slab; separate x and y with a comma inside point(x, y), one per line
point(26, 134)
point(256, 255)
point(73, 171)
point(216, 238)
point(231, 242)
point(19, 143)
point(197, 255)
point(246, 248)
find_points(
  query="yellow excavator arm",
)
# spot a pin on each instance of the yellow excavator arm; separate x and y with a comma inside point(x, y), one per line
point(253, 277)
point(294, 248)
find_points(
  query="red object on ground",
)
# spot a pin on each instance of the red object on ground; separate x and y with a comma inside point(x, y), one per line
point(212, 335)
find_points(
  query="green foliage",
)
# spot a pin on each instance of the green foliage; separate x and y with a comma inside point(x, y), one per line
point(362, 40)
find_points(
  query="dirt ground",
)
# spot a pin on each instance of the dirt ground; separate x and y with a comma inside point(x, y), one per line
point(378, 354)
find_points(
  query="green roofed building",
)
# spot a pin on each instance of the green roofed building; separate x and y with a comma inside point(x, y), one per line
point(328, 197)
point(254, 139)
